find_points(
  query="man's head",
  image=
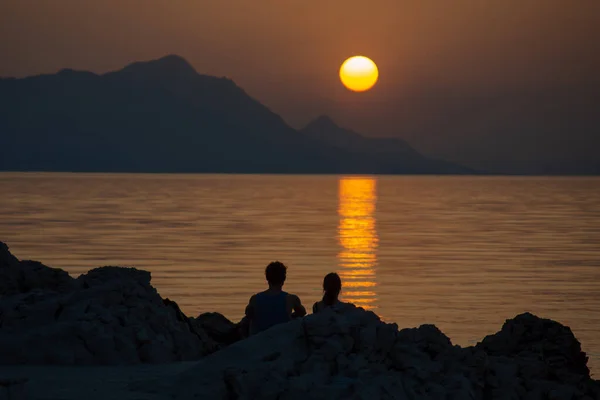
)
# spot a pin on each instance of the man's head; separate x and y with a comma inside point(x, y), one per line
point(275, 273)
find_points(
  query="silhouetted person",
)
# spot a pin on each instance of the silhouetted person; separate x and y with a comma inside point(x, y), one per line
point(332, 286)
point(273, 306)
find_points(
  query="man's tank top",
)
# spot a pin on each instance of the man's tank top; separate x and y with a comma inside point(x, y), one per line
point(269, 309)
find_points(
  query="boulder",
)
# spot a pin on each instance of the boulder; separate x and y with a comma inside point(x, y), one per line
point(7, 260)
point(13, 389)
point(107, 275)
point(532, 338)
point(24, 276)
point(218, 327)
point(110, 315)
point(113, 315)
point(348, 353)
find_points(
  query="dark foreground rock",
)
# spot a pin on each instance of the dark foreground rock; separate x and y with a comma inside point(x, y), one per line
point(547, 347)
point(110, 315)
point(348, 353)
point(113, 315)
point(12, 389)
point(218, 327)
point(24, 276)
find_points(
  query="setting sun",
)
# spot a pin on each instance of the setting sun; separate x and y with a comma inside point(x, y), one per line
point(359, 73)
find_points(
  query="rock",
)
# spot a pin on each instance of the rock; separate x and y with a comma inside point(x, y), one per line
point(113, 315)
point(7, 260)
point(24, 276)
point(529, 337)
point(336, 355)
point(110, 315)
point(13, 389)
point(428, 338)
point(154, 353)
point(8, 271)
point(104, 275)
point(563, 393)
point(35, 275)
point(218, 327)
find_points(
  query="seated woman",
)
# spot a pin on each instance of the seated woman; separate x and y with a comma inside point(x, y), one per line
point(332, 286)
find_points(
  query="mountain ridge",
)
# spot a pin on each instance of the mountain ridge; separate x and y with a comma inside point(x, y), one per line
point(391, 152)
point(163, 116)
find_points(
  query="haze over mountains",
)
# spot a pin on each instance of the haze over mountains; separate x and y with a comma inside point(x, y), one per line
point(528, 131)
point(162, 116)
point(386, 153)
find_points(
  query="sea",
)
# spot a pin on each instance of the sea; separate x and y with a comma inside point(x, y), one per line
point(464, 253)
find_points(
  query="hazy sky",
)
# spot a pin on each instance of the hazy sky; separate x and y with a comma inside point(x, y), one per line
point(286, 53)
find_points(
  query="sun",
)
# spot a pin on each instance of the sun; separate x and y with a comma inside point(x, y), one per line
point(359, 73)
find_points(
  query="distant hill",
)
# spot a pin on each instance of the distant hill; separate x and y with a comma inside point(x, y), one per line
point(162, 116)
point(383, 155)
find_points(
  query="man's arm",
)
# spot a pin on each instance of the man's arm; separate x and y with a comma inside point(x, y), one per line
point(250, 308)
point(297, 307)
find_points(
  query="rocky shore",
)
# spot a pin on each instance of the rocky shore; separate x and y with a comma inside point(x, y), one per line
point(113, 316)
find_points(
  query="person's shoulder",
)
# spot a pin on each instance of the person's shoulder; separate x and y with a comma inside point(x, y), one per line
point(316, 307)
point(294, 300)
point(293, 297)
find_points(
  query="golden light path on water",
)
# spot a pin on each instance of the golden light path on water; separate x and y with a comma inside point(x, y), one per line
point(358, 239)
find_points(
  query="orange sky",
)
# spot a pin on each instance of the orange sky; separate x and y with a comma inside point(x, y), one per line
point(287, 53)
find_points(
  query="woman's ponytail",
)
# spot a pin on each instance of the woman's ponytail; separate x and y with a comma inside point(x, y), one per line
point(332, 286)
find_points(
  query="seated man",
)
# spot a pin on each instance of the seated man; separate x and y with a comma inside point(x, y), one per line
point(273, 306)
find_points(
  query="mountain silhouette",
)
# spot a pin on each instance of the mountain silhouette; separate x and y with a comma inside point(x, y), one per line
point(162, 116)
point(385, 155)
point(325, 130)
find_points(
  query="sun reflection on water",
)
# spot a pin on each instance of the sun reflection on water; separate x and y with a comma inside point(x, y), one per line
point(358, 239)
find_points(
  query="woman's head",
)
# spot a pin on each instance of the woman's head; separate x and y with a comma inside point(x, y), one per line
point(332, 286)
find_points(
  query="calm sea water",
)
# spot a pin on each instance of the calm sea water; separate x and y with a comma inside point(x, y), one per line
point(464, 253)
